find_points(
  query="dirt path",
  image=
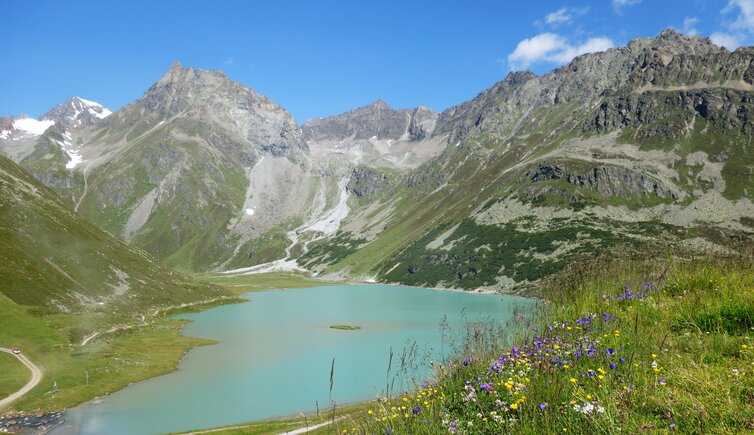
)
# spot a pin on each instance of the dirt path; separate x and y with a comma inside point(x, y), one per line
point(311, 428)
point(144, 322)
point(36, 377)
point(298, 431)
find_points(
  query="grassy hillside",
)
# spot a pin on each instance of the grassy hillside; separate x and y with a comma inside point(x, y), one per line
point(13, 374)
point(64, 281)
point(53, 259)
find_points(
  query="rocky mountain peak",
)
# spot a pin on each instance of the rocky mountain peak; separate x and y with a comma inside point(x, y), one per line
point(76, 112)
point(375, 121)
point(674, 42)
point(210, 97)
point(519, 77)
point(379, 104)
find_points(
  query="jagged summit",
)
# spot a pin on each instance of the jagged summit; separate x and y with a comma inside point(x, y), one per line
point(667, 60)
point(77, 112)
point(672, 41)
point(518, 77)
point(379, 104)
point(210, 97)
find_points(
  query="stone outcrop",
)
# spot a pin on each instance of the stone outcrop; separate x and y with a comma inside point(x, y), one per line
point(670, 113)
point(366, 182)
point(607, 180)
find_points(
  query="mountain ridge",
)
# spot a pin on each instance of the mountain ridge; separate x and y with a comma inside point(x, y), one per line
point(207, 174)
point(669, 165)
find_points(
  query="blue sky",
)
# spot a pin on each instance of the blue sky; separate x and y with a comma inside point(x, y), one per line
point(319, 58)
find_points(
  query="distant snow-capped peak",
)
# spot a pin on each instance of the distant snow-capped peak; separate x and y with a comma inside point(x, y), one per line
point(95, 109)
point(77, 112)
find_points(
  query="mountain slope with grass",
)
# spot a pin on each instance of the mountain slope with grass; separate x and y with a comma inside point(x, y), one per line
point(83, 305)
point(52, 258)
point(643, 143)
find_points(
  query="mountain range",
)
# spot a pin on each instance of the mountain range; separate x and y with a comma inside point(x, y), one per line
point(647, 144)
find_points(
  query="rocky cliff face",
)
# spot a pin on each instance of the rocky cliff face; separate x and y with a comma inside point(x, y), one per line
point(646, 64)
point(366, 182)
point(670, 113)
point(607, 180)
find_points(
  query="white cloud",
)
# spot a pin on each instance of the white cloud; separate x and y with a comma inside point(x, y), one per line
point(564, 15)
point(553, 48)
point(618, 5)
point(745, 19)
point(229, 61)
point(536, 49)
point(558, 17)
point(727, 40)
point(741, 29)
point(688, 26)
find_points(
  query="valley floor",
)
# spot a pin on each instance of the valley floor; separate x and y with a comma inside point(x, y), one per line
point(70, 368)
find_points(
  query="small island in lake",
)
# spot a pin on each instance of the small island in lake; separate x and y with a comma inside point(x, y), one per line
point(345, 327)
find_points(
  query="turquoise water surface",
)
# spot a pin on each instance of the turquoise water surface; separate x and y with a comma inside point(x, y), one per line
point(275, 352)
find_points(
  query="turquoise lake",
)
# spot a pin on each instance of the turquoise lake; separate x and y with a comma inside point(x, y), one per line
point(275, 352)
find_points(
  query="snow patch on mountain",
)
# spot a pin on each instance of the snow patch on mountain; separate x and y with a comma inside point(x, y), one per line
point(89, 102)
point(73, 152)
point(31, 125)
point(95, 109)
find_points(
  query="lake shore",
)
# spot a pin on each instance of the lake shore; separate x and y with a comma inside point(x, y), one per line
point(277, 283)
point(419, 323)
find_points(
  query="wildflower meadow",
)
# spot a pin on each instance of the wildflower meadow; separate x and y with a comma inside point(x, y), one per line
point(623, 347)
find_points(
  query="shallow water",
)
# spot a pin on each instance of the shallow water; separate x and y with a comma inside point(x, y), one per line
point(276, 351)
